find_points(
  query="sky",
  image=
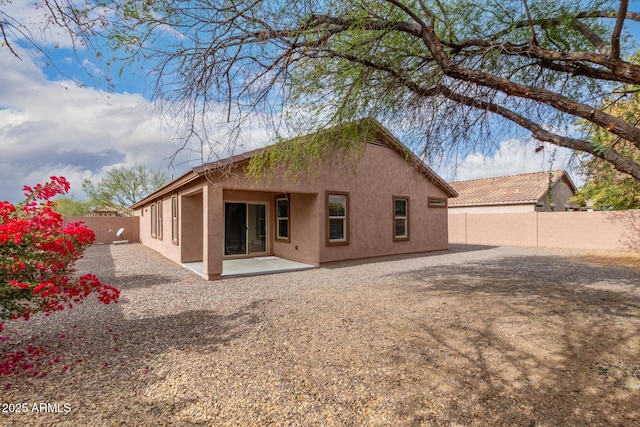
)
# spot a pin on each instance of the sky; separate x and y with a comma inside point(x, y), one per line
point(51, 126)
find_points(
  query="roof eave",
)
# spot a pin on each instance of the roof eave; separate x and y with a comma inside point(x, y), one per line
point(168, 188)
point(466, 205)
point(395, 144)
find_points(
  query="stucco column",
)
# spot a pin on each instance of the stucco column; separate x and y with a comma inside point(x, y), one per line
point(213, 211)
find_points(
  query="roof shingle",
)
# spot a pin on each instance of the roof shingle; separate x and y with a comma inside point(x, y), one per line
point(522, 188)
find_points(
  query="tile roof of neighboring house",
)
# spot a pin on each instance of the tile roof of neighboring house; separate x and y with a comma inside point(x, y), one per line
point(512, 189)
point(119, 211)
point(377, 134)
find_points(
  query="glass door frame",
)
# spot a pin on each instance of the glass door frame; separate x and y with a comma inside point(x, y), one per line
point(248, 226)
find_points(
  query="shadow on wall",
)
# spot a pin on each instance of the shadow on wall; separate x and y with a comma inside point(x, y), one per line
point(629, 221)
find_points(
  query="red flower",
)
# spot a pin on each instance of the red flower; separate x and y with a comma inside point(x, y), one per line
point(37, 256)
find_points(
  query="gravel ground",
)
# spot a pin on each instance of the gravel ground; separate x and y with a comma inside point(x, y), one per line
point(475, 336)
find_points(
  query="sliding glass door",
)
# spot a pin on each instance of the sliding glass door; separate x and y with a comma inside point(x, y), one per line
point(245, 228)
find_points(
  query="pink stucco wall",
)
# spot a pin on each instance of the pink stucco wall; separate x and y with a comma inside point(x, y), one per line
point(380, 174)
point(618, 230)
point(106, 227)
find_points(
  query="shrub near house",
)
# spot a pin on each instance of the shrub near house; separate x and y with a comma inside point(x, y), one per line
point(38, 255)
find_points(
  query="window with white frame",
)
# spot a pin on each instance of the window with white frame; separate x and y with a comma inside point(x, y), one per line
point(400, 218)
point(337, 218)
point(154, 221)
point(159, 231)
point(174, 219)
point(282, 219)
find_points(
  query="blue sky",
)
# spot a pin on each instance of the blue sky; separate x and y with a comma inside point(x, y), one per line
point(51, 126)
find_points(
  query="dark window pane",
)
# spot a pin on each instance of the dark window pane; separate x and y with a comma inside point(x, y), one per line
point(336, 229)
point(401, 227)
point(283, 209)
point(283, 228)
point(401, 207)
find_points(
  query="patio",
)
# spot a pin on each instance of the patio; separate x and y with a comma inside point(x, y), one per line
point(252, 266)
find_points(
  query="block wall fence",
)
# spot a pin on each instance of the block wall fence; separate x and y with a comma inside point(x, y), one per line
point(613, 230)
point(609, 230)
point(106, 227)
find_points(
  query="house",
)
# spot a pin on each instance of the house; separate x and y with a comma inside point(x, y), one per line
point(391, 203)
point(545, 191)
point(109, 211)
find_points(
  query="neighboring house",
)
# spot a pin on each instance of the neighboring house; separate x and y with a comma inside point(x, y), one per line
point(392, 203)
point(527, 192)
point(110, 211)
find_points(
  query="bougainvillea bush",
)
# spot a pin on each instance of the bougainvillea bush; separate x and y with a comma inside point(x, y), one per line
point(38, 255)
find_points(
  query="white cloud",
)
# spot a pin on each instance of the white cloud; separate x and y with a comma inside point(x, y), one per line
point(57, 128)
point(513, 156)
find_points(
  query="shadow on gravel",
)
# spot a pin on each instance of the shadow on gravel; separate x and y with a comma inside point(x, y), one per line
point(134, 281)
point(372, 260)
point(561, 278)
point(115, 360)
point(100, 261)
point(547, 340)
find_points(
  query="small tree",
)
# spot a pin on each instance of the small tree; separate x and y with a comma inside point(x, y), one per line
point(38, 255)
point(125, 185)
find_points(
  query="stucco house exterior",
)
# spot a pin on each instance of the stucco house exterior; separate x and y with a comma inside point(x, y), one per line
point(546, 191)
point(391, 203)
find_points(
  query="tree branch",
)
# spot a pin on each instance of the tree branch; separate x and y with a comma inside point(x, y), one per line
point(617, 30)
point(555, 100)
point(622, 163)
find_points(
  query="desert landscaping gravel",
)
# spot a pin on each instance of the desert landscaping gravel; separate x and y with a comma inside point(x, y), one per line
point(473, 336)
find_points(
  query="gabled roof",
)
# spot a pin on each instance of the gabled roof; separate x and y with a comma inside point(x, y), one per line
point(512, 189)
point(376, 134)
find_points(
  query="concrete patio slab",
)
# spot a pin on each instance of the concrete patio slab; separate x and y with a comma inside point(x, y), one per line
point(252, 266)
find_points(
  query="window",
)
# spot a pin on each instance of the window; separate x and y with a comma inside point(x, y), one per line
point(174, 219)
point(282, 219)
point(400, 218)
point(154, 221)
point(160, 219)
point(337, 218)
point(437, 202)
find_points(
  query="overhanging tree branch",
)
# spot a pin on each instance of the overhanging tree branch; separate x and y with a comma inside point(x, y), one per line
point(379, 56)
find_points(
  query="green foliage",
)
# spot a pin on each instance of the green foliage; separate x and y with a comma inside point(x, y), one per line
point(71, 206)
point(125, 185)
point(606, 188)
point(306, 155)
